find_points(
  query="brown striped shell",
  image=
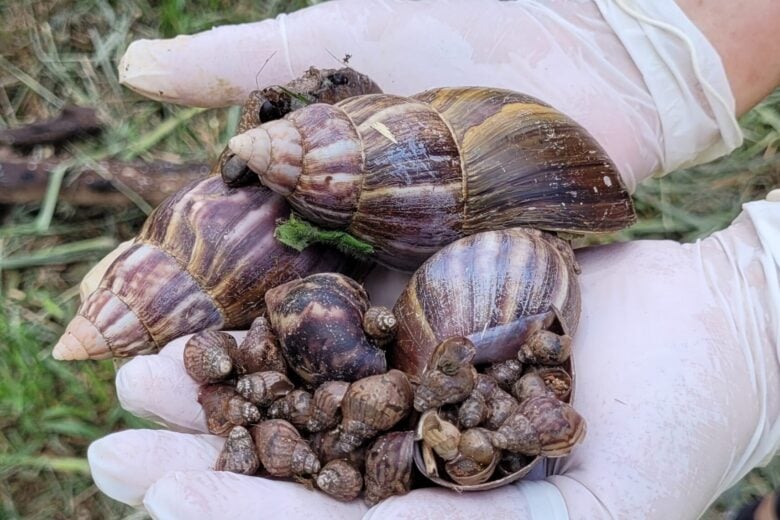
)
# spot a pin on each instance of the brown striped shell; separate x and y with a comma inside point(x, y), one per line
point(282, 451)
point(206, 357)
point(410, 175)
point(495, 288)
point(318, 321)
point(224, 408)
point(239, 454)
point(389, 466)
point(203, 260)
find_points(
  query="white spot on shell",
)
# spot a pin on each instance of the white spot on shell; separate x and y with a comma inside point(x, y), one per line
point(382, 129)
point(607, 181)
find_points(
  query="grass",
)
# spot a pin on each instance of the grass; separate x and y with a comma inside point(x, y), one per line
point(65, 51)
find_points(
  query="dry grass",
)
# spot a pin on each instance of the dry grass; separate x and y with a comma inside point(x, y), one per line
point(64, 51)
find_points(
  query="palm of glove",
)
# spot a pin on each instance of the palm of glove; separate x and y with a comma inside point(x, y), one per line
point(653, 350)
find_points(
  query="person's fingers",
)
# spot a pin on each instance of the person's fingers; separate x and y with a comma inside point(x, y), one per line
point(219, 494)
point(437, 503)
point(124, 465)
point(157, 387)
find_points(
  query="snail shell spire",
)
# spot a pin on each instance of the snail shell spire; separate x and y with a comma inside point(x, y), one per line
point(203, 260)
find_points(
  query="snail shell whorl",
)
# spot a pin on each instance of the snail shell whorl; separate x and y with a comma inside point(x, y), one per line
point(489, 287)
point(203, 260)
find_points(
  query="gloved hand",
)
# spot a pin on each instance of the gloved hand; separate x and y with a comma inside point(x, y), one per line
point(677, 377)
point(677, 349)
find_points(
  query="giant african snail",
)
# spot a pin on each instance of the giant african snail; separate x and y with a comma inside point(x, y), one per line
point(203, 260)
point(411, 175)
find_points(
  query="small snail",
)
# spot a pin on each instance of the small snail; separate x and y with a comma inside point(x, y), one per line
point(294, 407)
point(389, 466)
point(325, 444)
point(441, 435)
point(206, 357)
point(494, 288)
point(282, 451)
point(409, 175)
point(224, 408)
point(545, 348)
point(374, 404)
point(326, 406)
point(505, 373)
point(450, 376)
point(263, 388)
point(341, 480)
point(239, 454)
point(319, 322)
point(203, 260)
point(259, 351)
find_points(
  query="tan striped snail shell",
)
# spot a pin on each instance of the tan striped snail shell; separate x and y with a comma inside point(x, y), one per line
point(341, 480)
point(389, 466)
point(319, 323)
point(494, 288)
point(206, 356)
point(409, 175)
point(239, 454)
point(203, 260)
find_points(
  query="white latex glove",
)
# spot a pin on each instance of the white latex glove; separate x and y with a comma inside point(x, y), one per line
point(678, 378)
point(653, 91)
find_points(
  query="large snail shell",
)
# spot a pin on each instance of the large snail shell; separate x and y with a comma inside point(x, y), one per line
point(494, 288)
point(203, 260)
point(410, 175)
point(319, 324)
point(389, 466)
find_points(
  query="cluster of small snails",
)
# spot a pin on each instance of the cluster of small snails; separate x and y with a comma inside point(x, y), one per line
point(493, 425)
point(331, 429)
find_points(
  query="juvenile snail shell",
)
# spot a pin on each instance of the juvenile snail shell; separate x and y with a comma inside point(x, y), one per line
point(473, 411)
point(380, 325)
point(517, 435)
point(557, 424)
point(500, 404)
point(469, 472)
point(282, 451)
point(206, 357)
point(528, 386)
point(319, 324)
point(389, 466)
point(545, 348)
point(224, 408)
point(326, 406)
point(475, 444)
point(505, 373)
point(410, 175)
point(203, 260)
point(239, 454)
point(341, 480)
point(450, 376)
point(325, 444)
point(259, 351)
point(494, 288)
point(374, 404)
point(294, 407)
point(263, 388)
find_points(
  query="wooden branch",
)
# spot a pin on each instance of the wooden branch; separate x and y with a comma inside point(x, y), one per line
point(22, 182)
point(73, 123)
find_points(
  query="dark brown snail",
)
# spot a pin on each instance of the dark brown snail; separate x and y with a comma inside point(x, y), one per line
point(505, 373)
point(325, 444)
point(545, 348)
point(239, 454)
point(282, 451)
point(319, 322)
point(410, 175)
point(203, 260)
point(495, 288)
